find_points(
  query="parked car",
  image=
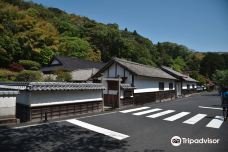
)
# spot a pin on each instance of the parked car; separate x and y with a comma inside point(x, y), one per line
point(199, 88)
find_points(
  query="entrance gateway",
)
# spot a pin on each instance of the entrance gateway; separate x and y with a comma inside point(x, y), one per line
point(117, 94)
point(112, 92)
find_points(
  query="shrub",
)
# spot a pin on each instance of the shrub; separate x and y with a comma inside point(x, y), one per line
point(63, 76)
point(28, 75)
point(29, 65)
point(6, 75)
point(16, 67)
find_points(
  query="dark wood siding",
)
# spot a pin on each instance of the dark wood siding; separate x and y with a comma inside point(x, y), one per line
point(141, 98)
point(26, 113)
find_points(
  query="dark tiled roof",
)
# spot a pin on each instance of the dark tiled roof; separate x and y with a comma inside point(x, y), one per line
point(126, 86)
point(38, 86)
point(2, 93)
point(141, 70)
point(178, 74)
point(72, 63)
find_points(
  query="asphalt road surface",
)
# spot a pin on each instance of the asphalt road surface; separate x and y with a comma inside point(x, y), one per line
point(196, 120)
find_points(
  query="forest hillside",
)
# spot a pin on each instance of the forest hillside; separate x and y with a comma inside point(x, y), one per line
point(31, 34)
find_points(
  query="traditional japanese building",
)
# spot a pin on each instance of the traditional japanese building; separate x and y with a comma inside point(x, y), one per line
point(129, 82)
point(184, 84)
point(80, 70)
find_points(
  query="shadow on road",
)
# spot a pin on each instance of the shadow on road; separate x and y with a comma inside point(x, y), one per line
point(55, 137)
point(219, 105)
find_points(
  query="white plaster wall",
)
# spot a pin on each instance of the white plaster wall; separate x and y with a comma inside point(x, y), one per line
point(184, 85)
point(146, 84)
point(121, 94)
point(39, 98)
point(105, 84)
point(83, 74)
point(112, 70)
point(7, 106)
point(129, 77)
point(120, 72)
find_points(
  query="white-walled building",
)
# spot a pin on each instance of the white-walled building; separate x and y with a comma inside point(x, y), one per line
point(53, 100)
point(128, 82)
point(184, 84)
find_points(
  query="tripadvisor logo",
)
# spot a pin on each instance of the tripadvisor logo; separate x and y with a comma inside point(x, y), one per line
point(177, 141)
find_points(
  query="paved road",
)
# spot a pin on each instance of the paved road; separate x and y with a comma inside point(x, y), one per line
point(148, 129)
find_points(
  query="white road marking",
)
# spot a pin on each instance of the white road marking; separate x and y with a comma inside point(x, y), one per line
point(195, 119)
point(210, 108)
point(160, 114)
point(100, 130)
point(147, 111)
point(216, 122)
point(135, 109)
point(176, 116)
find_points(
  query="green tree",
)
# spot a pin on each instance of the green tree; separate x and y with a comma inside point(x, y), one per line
point(221, 77)
point(210, 63)
point(75, 47)
point(178, 64)
point(45, 56)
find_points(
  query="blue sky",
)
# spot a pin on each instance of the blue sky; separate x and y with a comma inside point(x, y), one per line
point(201, 25)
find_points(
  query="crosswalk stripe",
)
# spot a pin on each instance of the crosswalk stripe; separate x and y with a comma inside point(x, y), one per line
point(176, 116)
point(135, 109)
point(210, 108)
point(147, 111)
point(216, 122)
point(195, 119)
point(100, 130)
point(160, 114)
